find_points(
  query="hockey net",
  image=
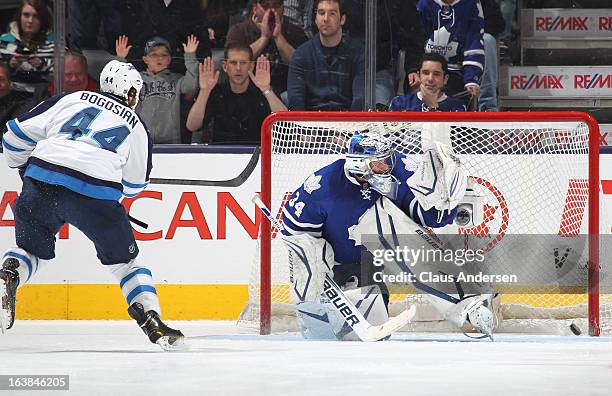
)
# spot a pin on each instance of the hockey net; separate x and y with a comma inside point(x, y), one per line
point(538, 173)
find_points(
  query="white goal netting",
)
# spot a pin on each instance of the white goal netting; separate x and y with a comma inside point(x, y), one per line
point(534, 177)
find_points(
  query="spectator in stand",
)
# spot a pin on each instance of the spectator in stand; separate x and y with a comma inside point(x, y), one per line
point(76, 77)
point(433, 76)
point(328, 71)
point(397, 27)
point(160, 96)
point(233, 111)
point(494, 25)
point(85, 19)
point(12, 103)
point(454, 29)
point(269, 34)
point(28, 48)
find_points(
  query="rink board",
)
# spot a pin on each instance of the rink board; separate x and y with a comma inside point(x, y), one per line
point(199, 245)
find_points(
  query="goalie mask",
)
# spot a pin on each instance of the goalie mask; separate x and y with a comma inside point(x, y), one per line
point(121, 79)
point(371, 157)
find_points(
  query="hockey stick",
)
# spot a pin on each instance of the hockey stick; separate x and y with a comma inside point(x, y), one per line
point(345, 307)
point(235, 182)
point(138, 222)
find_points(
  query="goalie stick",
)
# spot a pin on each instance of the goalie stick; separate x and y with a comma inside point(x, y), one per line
point(362, 328)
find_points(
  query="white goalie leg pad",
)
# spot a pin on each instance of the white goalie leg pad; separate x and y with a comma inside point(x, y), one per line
point(439, 180)
point(136, 282)
point(29, 264)
point(369, 301)
point(321, 321)
point(310, 259)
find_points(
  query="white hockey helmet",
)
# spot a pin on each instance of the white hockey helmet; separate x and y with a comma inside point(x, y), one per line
point(365, 149)
point(118, 78)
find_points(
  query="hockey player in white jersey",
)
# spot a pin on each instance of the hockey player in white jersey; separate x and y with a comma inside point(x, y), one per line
point(320, 216)
point(78, 153)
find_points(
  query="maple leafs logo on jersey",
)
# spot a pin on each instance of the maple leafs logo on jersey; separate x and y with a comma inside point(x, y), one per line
point(312, 183)
point(442, 43)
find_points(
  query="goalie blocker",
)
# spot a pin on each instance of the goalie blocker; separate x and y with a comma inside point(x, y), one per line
point(439, 181)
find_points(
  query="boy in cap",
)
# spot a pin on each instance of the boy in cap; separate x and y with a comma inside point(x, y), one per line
point(160, 97)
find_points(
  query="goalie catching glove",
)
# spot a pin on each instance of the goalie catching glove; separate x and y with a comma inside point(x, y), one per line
point(440, 180)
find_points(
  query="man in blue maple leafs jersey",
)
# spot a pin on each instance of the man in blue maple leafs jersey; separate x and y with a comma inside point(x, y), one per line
point(322, 215)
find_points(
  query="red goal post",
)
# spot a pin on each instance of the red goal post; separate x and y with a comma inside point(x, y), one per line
point(511, 118)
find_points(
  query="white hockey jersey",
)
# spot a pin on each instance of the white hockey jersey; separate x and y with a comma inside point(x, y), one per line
point(88, 142)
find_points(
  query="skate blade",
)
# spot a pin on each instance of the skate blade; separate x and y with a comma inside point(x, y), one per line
point(482, 335)
point(178, 345)
point(4, 314)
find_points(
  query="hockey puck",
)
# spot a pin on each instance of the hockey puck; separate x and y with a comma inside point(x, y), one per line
point(575, 329)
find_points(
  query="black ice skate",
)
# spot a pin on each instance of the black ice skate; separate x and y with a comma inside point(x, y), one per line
point(155, 329)
point(9, 280)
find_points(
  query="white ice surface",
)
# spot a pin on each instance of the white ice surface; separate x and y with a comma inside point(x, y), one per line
point(115, 358)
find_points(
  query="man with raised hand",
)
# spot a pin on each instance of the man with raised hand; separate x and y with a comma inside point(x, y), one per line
point(232, 112)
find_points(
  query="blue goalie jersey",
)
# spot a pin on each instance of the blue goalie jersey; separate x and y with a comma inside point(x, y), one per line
point(328, 204)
